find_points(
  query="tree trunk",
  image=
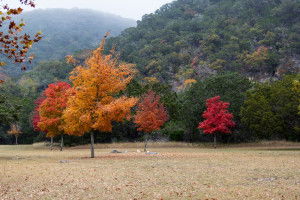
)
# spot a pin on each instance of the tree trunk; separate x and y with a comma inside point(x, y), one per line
point(145, 147)
point(51, 144)
point(146, 142)
point(16, 139)
point(92, 145)
point(215, 140)
point(61, 142)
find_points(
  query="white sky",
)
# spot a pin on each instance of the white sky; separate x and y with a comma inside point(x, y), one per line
point(133, 9)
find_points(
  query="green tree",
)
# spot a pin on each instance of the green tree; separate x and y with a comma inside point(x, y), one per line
point(230, 86)
point(258, 116)
point(270, 110)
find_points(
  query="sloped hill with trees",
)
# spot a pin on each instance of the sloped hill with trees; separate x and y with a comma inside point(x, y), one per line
point(194, 38)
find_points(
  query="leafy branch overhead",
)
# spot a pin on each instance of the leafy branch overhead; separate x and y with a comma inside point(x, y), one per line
point(15, 44)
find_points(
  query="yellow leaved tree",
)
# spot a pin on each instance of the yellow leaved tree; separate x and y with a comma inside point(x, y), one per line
point(96, 102)
point(15, 130)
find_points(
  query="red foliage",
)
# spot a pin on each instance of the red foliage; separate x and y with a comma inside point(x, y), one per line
point(217, 117)
point(151, 114)
point(36, 115)
point(52, 107)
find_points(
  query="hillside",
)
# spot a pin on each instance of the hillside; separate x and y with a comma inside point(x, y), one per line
point(66, 31)
point(189, 52)
point(195, 38)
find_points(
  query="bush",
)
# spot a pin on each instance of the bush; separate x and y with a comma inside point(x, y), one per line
point(174, 130)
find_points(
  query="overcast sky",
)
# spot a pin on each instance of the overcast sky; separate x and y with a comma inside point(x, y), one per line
point(133, 9)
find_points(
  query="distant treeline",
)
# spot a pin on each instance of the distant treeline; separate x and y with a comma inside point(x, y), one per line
point(261, 110)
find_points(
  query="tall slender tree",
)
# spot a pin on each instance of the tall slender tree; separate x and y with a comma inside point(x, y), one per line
point(96, 103)
point(15, 130)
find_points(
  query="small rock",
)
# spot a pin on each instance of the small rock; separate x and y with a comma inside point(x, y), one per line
point(151, 153)
point(115, 151)
point(268, 179)
point(64, 161)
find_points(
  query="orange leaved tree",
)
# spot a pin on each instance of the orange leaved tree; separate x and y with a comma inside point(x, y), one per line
point(96, 103)
point(15, 130)
point(51, 110)
point(151, 114)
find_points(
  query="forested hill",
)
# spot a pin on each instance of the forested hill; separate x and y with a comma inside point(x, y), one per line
point(193, 38)
point(66, 31)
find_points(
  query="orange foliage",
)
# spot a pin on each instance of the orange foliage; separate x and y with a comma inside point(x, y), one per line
point(151, 80)
point(189, 82)
point(71, 60)
point(151, 114)
point(95, 105)
point(14, 130)
point(258, 57)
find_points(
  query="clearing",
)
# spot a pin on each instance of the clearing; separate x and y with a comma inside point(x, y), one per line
point(178, 171)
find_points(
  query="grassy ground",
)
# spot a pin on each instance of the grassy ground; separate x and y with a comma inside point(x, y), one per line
point(179, 171)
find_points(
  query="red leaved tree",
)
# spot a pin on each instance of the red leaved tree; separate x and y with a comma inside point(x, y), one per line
point(151, 114)
point(36, 116)
point(52, 108)
point(217, 118)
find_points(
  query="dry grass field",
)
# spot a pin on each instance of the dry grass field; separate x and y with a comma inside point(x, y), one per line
point(178, 171)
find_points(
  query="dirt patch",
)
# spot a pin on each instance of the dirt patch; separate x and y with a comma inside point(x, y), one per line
point(173, 173)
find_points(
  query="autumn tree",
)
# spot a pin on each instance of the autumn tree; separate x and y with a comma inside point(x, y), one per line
point(217, 118)
point(258, 57)
point(51, 109)
point(151, 114)
point(15, 130)
point(14, 44)
point(36, 116)
point(96, 103)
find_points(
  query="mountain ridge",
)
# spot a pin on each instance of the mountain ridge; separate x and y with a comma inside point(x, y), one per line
point(66, 31)
point(191, 39)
